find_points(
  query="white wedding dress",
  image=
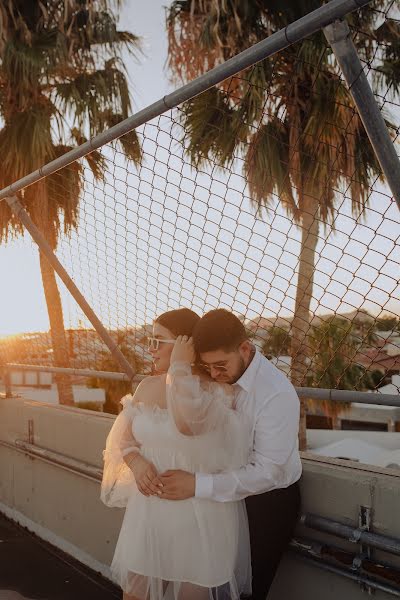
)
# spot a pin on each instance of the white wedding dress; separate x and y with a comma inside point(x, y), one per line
point(194, 549)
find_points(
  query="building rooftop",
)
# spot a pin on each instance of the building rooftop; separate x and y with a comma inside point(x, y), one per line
point(58, 538)
point(32, 568)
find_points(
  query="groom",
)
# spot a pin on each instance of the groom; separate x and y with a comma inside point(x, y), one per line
point(269, 482)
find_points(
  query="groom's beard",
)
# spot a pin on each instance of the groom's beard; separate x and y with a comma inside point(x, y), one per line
point(241, 369)
point(243, 365)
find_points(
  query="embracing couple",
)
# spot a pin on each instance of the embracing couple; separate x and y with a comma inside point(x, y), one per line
point(205, 458)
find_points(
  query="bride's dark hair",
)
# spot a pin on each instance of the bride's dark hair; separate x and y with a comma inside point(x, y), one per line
point(179, 322)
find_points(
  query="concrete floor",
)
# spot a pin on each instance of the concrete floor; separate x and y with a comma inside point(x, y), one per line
point(31, 569)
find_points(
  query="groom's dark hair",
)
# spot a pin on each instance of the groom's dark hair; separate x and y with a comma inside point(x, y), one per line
point(218, 329)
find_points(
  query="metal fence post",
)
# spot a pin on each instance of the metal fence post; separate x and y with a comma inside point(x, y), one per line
point(339, 37)
point(7, 382)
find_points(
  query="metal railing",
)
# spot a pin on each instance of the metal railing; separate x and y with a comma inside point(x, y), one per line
point(330, 395)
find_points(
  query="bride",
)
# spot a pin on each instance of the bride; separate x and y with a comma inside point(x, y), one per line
point(192, 549)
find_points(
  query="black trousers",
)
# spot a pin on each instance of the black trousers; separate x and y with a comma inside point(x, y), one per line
point(272, 519)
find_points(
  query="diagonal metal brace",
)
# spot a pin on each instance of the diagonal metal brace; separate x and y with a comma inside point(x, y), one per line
point(339, 37)
point(45, 248)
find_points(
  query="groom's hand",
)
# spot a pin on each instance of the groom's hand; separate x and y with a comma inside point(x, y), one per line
point(177, 485)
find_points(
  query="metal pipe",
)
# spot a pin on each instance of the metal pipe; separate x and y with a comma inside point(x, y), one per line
point(349, 396)
point(57, 459)
point(337, 555)
point(339, 37)
point(314, 393)
point(352, 534)
point(295, 32)
point(357, 577)
point(75, 372)
point(45, 248)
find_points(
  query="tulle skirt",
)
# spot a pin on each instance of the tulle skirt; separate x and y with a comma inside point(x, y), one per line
point(193, 549)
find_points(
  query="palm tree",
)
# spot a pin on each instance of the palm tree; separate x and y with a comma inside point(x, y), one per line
point(290, 117)
point(334, 345)
point(277, 342)
point(387, 323)
point(114, 388)
point(62, 79)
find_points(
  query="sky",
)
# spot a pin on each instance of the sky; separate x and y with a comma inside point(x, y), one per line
point(22, 304)
point(137, 251)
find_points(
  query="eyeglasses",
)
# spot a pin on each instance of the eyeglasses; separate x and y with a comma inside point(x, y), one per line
point(218, 368)
point(154, 343)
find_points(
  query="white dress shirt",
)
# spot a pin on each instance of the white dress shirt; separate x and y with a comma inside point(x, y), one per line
point(269, 401)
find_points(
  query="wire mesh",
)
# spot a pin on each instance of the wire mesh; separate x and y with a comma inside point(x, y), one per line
point(190, 227)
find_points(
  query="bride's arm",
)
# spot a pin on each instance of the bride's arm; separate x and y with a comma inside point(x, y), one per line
point(196, 406)
point(123, 461)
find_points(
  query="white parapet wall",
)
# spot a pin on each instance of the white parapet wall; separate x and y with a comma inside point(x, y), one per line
point(63, 506)
point(58, 504)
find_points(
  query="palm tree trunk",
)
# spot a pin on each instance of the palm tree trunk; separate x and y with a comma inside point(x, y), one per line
point(301, 320)
point(58, 337)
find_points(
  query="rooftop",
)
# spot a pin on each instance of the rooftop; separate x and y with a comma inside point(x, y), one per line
point(59, 539)
point(32, 568)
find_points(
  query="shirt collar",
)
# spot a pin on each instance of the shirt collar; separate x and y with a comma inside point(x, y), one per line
point(247, 379)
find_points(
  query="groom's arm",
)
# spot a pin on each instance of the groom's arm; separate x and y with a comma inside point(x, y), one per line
point(274, 461)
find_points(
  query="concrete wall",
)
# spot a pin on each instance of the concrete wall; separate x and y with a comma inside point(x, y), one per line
point(64, 507)
point(336, 492)
point(61, 506)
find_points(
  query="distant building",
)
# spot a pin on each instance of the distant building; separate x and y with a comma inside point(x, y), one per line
point(391, 388)
point(377, 359)
point(83, 396)
point(35, 379)
point(283, 363)
point(363, 417)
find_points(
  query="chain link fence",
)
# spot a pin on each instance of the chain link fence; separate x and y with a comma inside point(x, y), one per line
point(238, 191)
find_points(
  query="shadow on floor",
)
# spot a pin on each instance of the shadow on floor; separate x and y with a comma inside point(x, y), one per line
point(31, 569)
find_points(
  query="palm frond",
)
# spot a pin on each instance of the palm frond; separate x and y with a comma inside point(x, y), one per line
point(130, 142)
point(389, 69)
point(213, 129)
point(100, 27)
point(54, 202)
point(63, 190)
point(10, 226)
point(89, 95)
point(336, 149)
point(203, 33)
point(21, 70)
point(96, 161)
point(266, 167)
point(25, 141)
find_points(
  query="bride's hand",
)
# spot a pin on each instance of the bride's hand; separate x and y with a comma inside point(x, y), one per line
point(183, 350)
point(146, 476)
